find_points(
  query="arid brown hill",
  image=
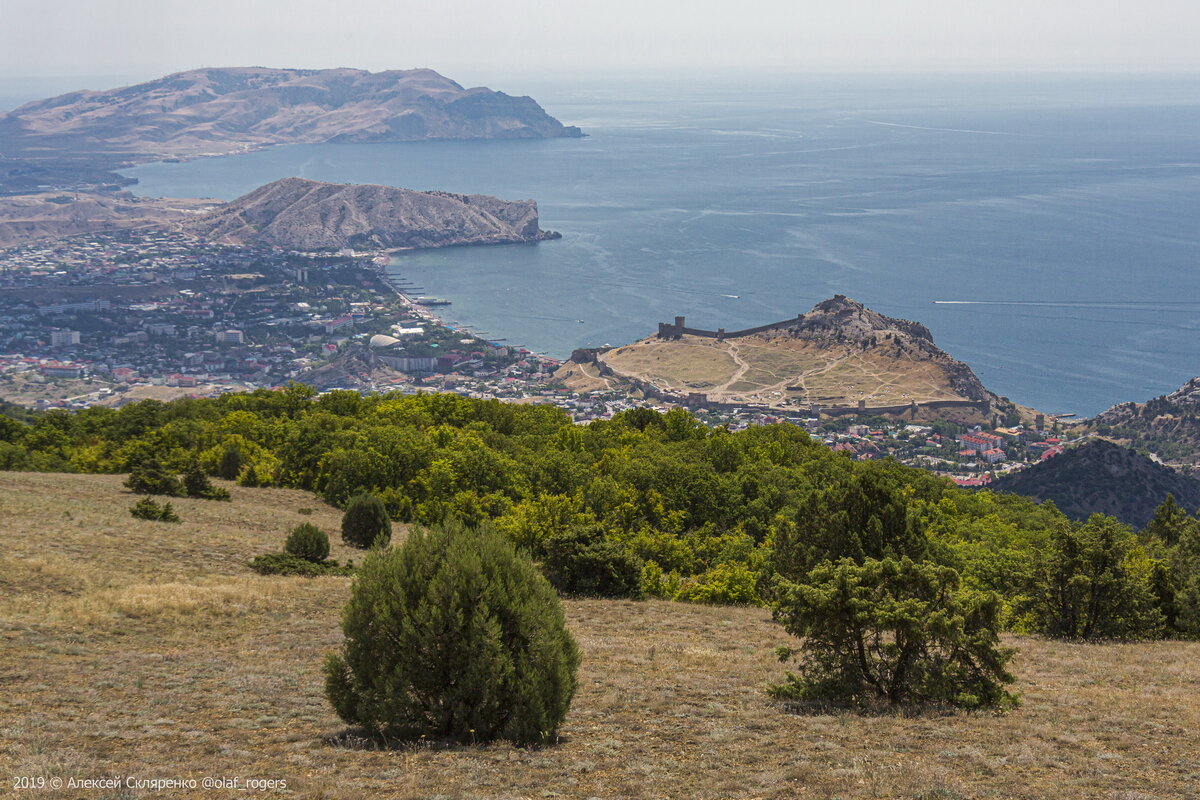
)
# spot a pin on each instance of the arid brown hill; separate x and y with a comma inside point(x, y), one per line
point(1102, 477)
point(52, 215)
point(211, 111)
point(1168, 426)
point(833, 358)
point(309, 215)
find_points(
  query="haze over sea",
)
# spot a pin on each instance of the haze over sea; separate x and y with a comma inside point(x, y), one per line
point(1060, 213)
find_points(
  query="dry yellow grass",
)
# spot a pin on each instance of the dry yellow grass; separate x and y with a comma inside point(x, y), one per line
point(149, 650)
point(780, 371)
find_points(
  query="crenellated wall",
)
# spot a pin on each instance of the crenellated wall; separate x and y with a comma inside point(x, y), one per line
point(669, 330)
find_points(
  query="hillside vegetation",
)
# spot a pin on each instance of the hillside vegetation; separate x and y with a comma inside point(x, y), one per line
point(1168, 426)
point(1100, 477)
point(50, 215)
point(133, 648)
point(643, 505)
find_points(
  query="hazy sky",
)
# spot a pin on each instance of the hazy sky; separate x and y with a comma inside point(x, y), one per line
point(471, 40)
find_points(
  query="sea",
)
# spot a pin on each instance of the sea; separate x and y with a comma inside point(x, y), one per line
point(1046, 228)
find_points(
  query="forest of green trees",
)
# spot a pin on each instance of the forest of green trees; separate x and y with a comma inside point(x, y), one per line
point(649, 504)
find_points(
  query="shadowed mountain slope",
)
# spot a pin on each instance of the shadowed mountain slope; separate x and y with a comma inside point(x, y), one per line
point(1102, 477)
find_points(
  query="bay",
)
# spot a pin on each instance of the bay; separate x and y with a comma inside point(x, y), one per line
point(1044, 227)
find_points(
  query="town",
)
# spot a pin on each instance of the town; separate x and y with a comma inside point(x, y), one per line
point(114, 318)
point(154, 314)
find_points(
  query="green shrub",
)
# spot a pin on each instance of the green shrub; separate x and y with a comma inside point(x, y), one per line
point(1185, 580)
point(1092, 581)
point(1169, 523)
point(154, 511)
point(582, 561)
point(865, 515)
point(288, 564)
point(197, 484)
point(309, 542)
point(231, 463)
point(657, 583)
point(454, 636)
point(724, 584)
point(366, 522)
point(150, 478)
point(892, 633)
point(257, 473)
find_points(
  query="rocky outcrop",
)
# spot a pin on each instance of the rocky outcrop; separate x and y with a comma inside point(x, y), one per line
point(301, 214)
point(215, 111)
point(846, 321)
point(840, 316)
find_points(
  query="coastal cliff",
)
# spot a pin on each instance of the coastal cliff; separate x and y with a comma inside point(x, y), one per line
point(300, 214)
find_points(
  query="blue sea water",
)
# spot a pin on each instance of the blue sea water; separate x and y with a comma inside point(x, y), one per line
point(1061, 214)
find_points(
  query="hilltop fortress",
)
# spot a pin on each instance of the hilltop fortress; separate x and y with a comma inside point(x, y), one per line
point(840, 358)
point(667, 330)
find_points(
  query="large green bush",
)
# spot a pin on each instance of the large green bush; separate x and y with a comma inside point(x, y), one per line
point(197, 484)
point(582, 561)
point(1092, 581)
point(892, 633)
point(1185, 579)
point(151, 478)
point(724, 584)
point(866, 514)
point(1169, 522)
point(366, 522)
point(231, 463)
point(453, 635)
point(309, 542)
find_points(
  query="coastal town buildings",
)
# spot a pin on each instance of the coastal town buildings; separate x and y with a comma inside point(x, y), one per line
point(123, 316)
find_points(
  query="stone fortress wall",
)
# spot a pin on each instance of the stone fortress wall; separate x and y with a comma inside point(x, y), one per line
point(667, 330)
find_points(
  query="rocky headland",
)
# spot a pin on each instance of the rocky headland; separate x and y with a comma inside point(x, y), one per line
point(300, 214)
point(228, 110)
point(59, 156)
point(839, 358)
point(1167, 426)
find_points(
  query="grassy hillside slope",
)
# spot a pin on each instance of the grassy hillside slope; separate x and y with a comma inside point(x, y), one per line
point(146, 649)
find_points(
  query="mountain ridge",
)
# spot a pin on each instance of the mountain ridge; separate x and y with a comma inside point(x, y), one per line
point(221, 110)
point(300, 214)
